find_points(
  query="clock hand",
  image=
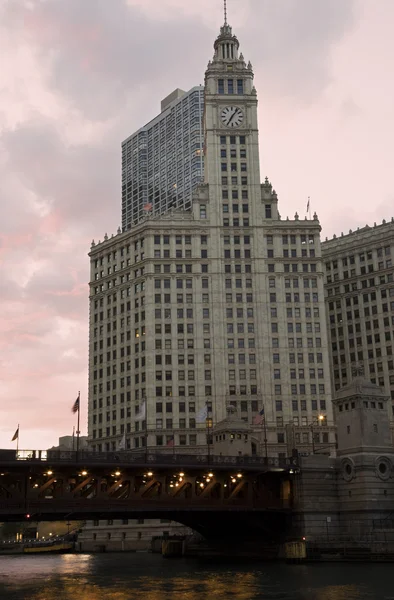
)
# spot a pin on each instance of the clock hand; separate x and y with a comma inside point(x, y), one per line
point(232, 116)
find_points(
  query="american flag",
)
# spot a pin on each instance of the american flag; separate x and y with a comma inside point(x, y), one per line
point(148, 207)
point(75, 407)
point(171, 442)
point(259, 418)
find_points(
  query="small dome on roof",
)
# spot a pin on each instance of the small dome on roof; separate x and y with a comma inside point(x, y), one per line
point(232, 422)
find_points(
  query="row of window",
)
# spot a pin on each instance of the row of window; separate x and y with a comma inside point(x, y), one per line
point(232, 140)
point(369, 339)
point(362, 257)
point(235, 180)
point(371, 354)
point(235, 195)
point(365, 283)
point(231, 86)
point(233, 153)
point(190, 391)
point(350, 315)
point(295, 342)
point(302, 404)
point(233, 167)
point(292, 239)
point(295, 282)
point(363, 271)
point(293, 253)
point(179, 239)
point(300, 373)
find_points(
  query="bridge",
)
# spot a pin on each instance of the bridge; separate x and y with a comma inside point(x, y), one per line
point(214, 495)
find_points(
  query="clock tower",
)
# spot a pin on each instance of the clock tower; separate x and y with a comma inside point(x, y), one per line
point(231, 134)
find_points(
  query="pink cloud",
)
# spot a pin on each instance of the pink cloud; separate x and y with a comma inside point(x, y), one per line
point(83, 75)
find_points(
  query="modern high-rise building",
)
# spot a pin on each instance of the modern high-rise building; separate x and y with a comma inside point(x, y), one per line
point(219, 304)
point(162, 162)
point(360, 305)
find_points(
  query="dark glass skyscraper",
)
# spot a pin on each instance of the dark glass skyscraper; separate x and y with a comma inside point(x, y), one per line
point(163, 161)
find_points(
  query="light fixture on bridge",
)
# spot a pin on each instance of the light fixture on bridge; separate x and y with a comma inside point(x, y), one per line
point(150, 474)
point(181, 474)
point(49, 473)
point(210, 475)
point(208, 479)
point(36, 485)
point(201, 485)
point(233, 480)
point(239, 475)
point(84, 472)
point(117, 473)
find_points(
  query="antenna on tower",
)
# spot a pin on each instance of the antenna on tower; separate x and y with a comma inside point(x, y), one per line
point(225, 12)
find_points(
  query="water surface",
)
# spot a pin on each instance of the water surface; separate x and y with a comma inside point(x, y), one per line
point(150, 577)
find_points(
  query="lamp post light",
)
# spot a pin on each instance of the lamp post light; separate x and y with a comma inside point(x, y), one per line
point(317, 420)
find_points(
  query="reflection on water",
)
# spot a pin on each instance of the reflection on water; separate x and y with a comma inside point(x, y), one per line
point(150, 577)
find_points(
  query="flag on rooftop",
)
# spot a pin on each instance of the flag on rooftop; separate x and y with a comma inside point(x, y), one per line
point(122, 443)
point(16, 435)
point(75, 407)
point(258, 419)
point(202, 415)
point(140, 416)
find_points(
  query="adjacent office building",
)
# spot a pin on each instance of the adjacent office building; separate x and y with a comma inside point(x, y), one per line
point(162, 162)
point(215, 303)
point(359, 283)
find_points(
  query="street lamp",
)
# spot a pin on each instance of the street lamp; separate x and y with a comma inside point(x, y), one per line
point(317, 420)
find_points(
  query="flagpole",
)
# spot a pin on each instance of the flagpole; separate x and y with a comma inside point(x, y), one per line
point(265, 435)
point(17, 441)
point(73, 436)
point(309, 206)
point(208, 423)
point(146, 427)
point(265, 439)
point(78, 432)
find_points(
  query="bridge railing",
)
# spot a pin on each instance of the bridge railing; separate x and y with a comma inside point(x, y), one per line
point(145, 458)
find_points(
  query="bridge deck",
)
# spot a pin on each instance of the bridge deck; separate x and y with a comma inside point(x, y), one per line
point(56, 484)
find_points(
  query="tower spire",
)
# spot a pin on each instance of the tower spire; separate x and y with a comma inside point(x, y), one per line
point(225, 12)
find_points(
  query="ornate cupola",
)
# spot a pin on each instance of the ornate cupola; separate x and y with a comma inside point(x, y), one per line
point(226, 45)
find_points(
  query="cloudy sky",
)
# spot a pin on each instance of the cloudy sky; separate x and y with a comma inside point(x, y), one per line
point(78, 76)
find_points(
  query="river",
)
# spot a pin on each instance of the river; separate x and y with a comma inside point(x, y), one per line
point(150, 577)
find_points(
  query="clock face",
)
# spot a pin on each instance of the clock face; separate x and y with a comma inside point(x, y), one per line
point(232, 116)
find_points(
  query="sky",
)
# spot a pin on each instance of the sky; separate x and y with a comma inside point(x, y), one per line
point(79, 76)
